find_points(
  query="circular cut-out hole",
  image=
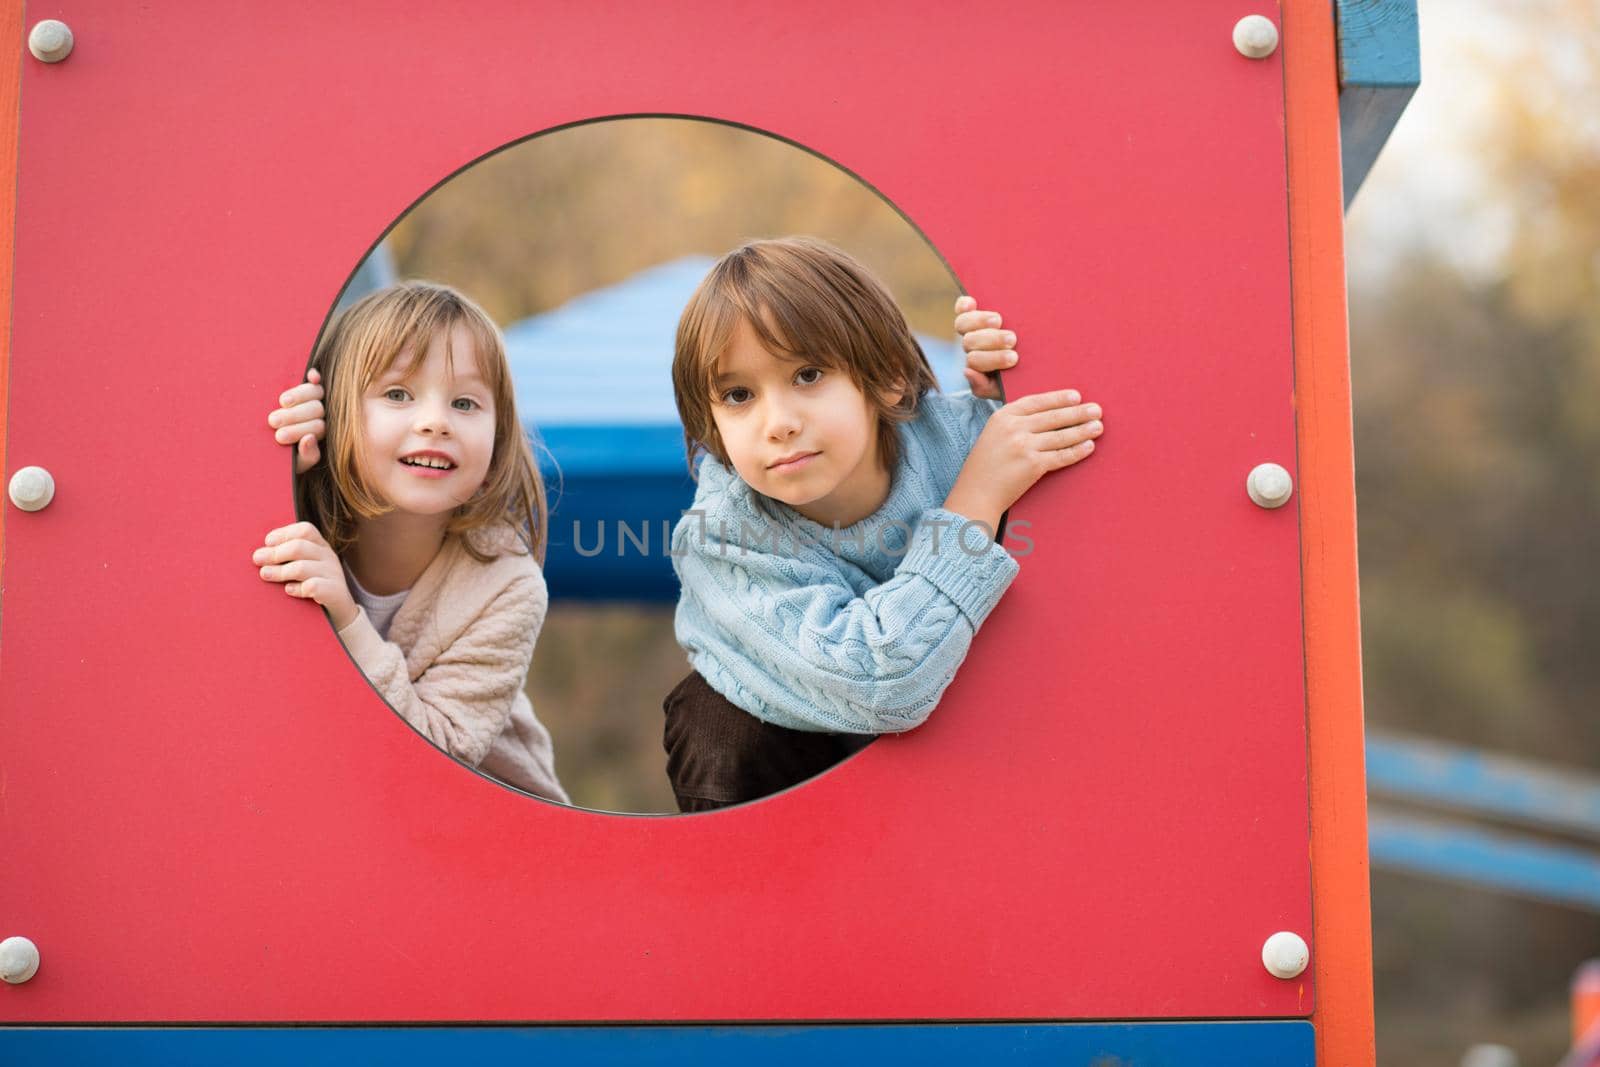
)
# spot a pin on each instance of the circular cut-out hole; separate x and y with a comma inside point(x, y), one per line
point(583, 245)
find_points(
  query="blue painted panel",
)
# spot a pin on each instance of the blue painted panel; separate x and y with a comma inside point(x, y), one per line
point(609, 538)
point(1380, 67)
point(1469, 780)
point(1547, 872)
point(615, 493)
point(1236, 1044)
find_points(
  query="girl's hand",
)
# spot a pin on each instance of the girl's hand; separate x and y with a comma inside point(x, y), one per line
point(299, 557)
point(989, 348)
point(1021, 443)
point(299, 418)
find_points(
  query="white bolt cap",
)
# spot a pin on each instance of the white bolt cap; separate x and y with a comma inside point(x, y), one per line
point(32, 488)
point(50, 41)
point(19, 960)
point(1269, 485)
point(1255, 36)
point(1285, 955)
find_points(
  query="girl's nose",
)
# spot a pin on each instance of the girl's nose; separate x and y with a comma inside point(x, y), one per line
point(433, 419)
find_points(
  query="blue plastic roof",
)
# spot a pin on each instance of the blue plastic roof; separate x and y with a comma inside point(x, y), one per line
point(605, 358)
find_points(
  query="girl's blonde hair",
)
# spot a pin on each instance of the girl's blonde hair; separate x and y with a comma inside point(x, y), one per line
point(806, 299)
point(396, 324)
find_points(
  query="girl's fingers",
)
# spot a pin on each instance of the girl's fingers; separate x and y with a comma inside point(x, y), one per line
point(305, 590)
point(304, 393)
point(965, 303)
point(988, 338)
point(286, 435)
point(1000, 359)
point(968, 321)
point(302, 530)
point(305, 411)
point(296, 570)
point(289, 550)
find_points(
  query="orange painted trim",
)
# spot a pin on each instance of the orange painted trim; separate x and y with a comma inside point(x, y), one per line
point(1340, 886)
point(10, 111)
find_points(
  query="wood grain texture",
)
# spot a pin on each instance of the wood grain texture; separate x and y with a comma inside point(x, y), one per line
point(1380, 67)
point(1341, 905)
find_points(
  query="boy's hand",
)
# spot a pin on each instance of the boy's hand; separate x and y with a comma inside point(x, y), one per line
point(989, 348)
point(1021, 443)
point(298, 556)
point(299, 421)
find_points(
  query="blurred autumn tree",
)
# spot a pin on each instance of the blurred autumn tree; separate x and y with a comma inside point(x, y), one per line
point(587, 206)
point(1477, 413)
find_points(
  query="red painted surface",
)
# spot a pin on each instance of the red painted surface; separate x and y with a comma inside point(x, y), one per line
point(219, 819)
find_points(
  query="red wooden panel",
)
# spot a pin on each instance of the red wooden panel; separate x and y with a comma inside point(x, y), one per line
point(207, 813)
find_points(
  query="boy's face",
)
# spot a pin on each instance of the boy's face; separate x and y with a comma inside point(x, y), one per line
point(798, 432)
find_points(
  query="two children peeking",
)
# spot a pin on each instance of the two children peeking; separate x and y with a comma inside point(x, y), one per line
point(839, 556)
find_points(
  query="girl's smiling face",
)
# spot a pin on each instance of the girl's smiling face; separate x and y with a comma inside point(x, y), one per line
point(428, 431)
point(798, 432)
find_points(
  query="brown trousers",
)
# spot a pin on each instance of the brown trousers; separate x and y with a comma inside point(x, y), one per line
point(719, 754)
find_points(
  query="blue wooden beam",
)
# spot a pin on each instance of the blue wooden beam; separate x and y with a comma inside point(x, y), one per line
point(1380, 67)
point(1151, 1044)
point(1481, 783)
point(1555, 873)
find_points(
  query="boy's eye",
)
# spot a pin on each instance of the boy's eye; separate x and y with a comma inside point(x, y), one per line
point(808, 375)
point(396, 394)
point(737, 395)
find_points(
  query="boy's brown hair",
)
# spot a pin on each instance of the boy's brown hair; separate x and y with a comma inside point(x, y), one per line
point(375, 333)
point(804, 299)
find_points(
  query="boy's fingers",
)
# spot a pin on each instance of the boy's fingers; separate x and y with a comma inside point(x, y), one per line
point(1066, 457)
point(999, 359)
point(968, 321)
point(1059, 418)
point(1072, 435)
point(988, 339)
point(982, 385)
point(1037, 402)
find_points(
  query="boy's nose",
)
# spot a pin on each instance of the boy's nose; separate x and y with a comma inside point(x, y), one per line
point(782, 422)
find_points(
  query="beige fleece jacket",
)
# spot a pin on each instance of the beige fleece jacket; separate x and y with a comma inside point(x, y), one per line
point(457, 658)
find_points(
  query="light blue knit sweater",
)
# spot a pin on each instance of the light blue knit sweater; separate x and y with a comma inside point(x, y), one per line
point(856, 630)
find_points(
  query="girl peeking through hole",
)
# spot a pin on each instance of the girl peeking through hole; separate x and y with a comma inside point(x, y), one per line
point(424, 523)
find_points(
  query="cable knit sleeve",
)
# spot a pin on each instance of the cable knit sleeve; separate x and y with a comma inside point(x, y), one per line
point(463, 698)
point(786, 638)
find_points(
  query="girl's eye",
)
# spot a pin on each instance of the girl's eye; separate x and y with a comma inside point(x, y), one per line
point(736, 395)
point(809, 375)
point(465, 403)
point(397, 394)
